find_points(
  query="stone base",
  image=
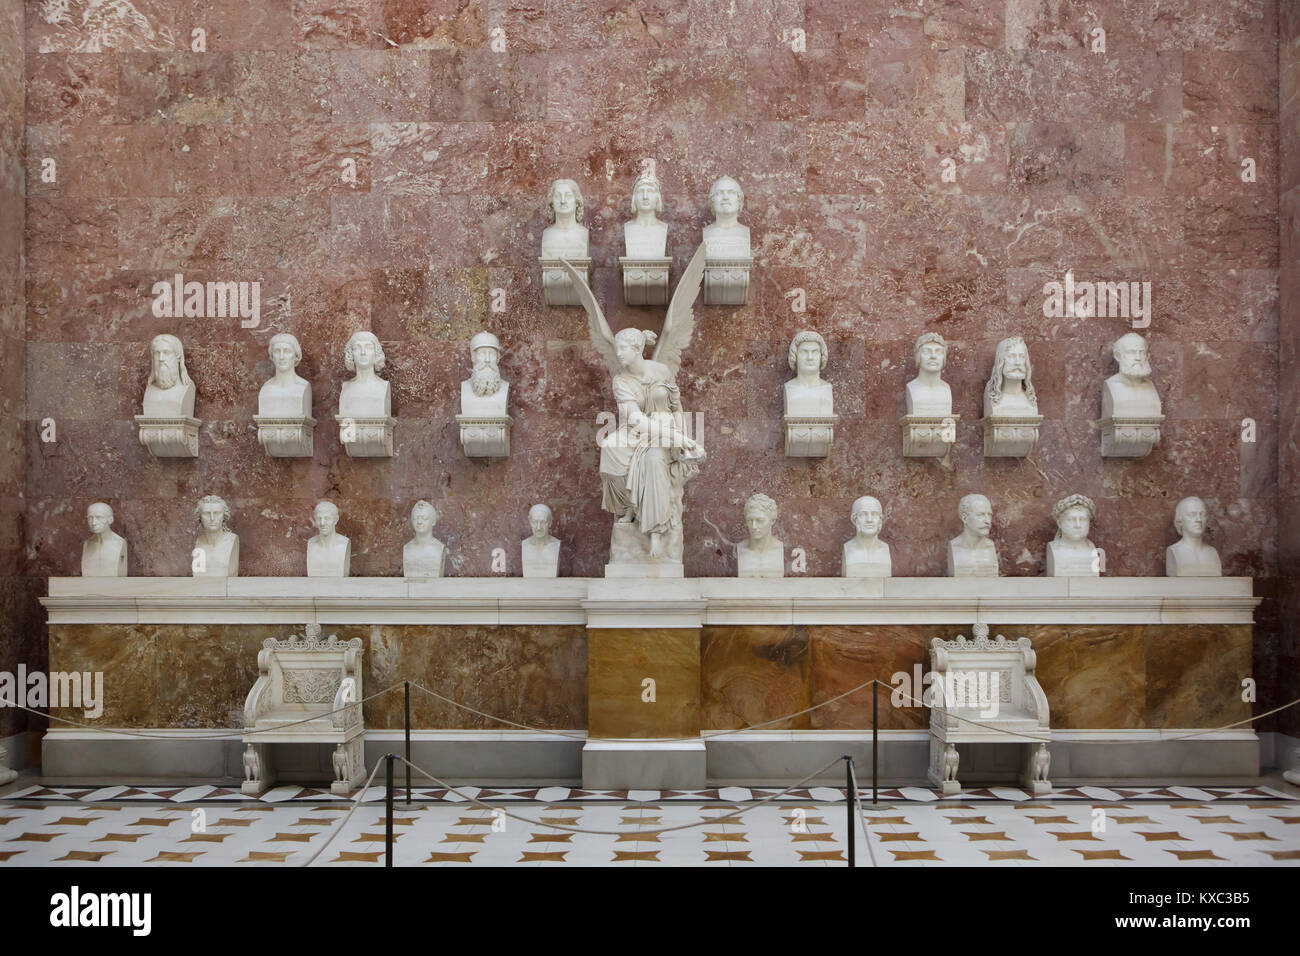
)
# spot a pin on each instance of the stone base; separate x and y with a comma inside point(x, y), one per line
point(557, 286)
point(629, 554)
point(726, 281)
point(928, 436)
point(169, 437)
point(809, 437)
point(645, 569)
point(644, 765)
point(286, 437)
point(366, 437)
point(1130, 437)
point(1010, 437)
point(484, 436)
point(645, 281)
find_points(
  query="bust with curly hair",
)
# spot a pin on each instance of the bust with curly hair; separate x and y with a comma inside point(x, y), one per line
point(808, 395)
point(1071, 554)
point(366, 395)
point(761, 555)
point(928, 394)
point(1010, 389)
point(566, 237)
point(216, 549)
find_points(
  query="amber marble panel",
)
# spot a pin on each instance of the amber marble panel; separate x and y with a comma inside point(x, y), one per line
point(620, 659)
point(751, 675)
point(845, 656)
point(1093, 676)
point(1194, 674)
point(530, 674)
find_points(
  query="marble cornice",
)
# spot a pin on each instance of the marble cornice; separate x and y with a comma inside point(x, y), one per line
point(629, 603)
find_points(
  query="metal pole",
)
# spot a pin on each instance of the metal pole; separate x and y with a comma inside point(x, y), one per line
point(388, 809)
point(875, 737)
point(408, 742)
point(848, 806)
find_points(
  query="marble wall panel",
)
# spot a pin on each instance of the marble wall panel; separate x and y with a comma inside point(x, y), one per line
point(620, 660)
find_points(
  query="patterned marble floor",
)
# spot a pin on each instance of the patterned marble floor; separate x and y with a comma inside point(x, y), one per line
point(794, 833)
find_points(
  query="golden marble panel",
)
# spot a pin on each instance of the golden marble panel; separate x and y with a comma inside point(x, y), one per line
point(1093, 676)
point(843, 656)
point(1194, 674)
point(750, 675)
point(620, 659)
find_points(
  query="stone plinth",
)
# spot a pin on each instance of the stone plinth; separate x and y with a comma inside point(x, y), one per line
point(169, 437)
point(1011, 437)
point(485, 436)
point(928, 436)
point(557, 286)
point(645, 281)
point(809, 437)
point(366, 437)
point(1130, 437)
point(726, 281)
point(286, 437)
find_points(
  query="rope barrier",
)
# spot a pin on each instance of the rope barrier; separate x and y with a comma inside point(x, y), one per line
point(866, 832)
point(356, 802)
point(559, 826)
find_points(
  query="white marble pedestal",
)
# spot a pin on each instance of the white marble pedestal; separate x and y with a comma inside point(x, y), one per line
point(645, 281)
point(176, 437)
point(644, 765)
point(366, 437)
point(1010, 437)
point(1130, 437)
point(928, 436)
point(286, 437)
point(726, 281)
point(485, 436)
point(809, 437)
point(557, 286)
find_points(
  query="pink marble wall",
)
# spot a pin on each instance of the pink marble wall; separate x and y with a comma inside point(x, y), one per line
point(14, 643)
point(227, 165)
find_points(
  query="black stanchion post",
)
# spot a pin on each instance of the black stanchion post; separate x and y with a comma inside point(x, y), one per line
point(408, 742)
point(849, 801)
point(388, 809)
point(875, 737)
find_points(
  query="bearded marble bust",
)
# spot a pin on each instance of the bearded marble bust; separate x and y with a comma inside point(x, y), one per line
point(484, 393)
point(1129, 393)
point(170, 393)
point(566, 238)
point(725, 237)
point(1010, 389)
point(972, 553)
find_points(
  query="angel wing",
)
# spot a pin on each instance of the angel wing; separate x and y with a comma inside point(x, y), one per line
point(680, 321)
point(601, 336)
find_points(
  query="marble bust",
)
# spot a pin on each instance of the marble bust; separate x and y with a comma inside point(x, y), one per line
point(928, 394)
point(1129, 392)
point(646, 235)
point(424, 556)
point(484, 393)
point(972, 553)
point(808, 394)
point(725, 237)
point(762, 555)
point(104, 553)
point(566, 237)
point(1190, 556)
point(1071, 554)
point(286, 394)
point(540, 551)
point(865, 555)
point(1010, 389)
point(366, 395)
point(329, 554)
point(216, 549)
point(170, 393)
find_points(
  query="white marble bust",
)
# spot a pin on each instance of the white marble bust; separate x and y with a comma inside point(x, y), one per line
point(865, 555)
point(484, 393)
point(928, 395)
point(1010, 389)
point(170, 393)
point(329, 554)
point(216, 549)
point(725, 237)
point(1072, 554)
point(762, 555)
point(808, 395)
point(286, 394)
point(540, 552)
point(424, 556)
point(646, 236)
point(1129, 393)
point(104, 553)
point(366, 395)
point(566, 237)
point(972, 553)
point(1190, 556)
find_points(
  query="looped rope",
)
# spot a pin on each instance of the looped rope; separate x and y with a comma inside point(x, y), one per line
point(356, 802)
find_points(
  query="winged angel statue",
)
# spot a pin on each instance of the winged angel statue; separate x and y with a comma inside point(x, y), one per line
point(646, 462)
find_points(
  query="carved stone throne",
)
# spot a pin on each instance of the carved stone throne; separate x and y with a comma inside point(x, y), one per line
point(993, 684)
point(308, 691)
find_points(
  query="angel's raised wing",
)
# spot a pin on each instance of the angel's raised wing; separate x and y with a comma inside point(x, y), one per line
point(680, 321)
point(601, 336)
